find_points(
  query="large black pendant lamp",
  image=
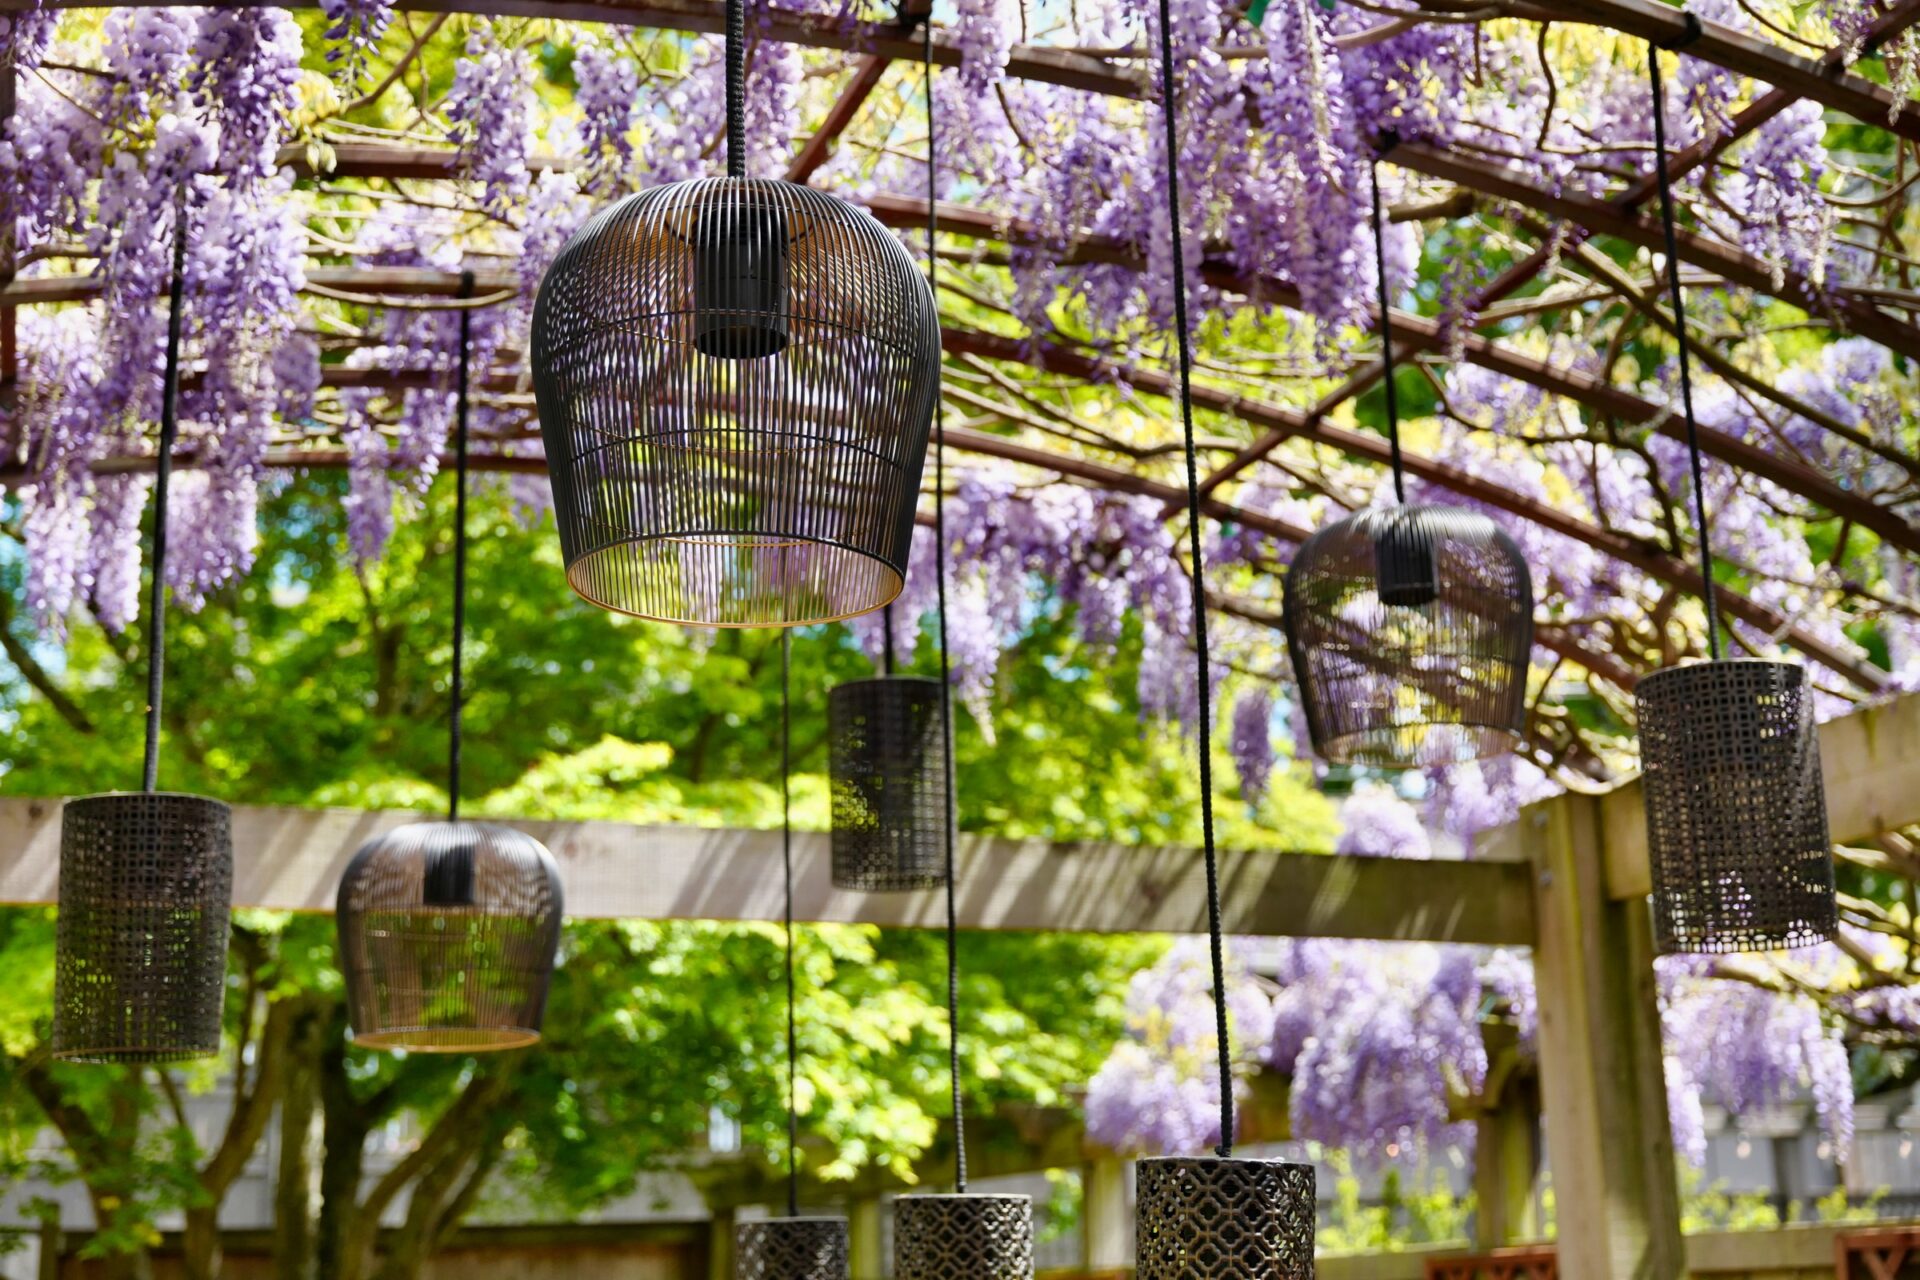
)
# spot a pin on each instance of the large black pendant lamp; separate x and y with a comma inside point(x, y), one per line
point(888, 759)
point(1220, 1217)
point(793, 1247)
point(735, 379)
point(957, 1235)
point(448, 930)
point(1410, 627)
point(146, 878)
point(1729, 755)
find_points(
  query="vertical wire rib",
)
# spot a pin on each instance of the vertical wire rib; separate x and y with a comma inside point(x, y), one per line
point(1680, 329)
point(1386, 339)
point(163, 477)
point(736, 89)
point(459, 554)
point(1203, 677)
point(940, 595)
point(786, 859)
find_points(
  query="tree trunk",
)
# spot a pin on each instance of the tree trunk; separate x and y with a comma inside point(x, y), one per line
point(302, 1144)
point(200, 1243)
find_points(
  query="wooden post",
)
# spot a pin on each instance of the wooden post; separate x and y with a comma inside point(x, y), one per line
point(720, 1244)
point(868, 1258)
point(1506, 1167)
point(1616, 1196)
point(53, 1243)
point(1105, 1218)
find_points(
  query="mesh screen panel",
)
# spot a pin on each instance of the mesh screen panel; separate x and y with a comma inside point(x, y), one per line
point(791, 1249)
point(963, 1237)
point(1736, 808)
point(1211, 1219)
point(146, 889)
point(1410, 630)
point(447, 937)
point(888, 761)
point(736, 382)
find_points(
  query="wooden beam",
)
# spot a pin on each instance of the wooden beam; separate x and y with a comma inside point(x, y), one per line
point(371, 282)
point(866, 78)
point(291, 859)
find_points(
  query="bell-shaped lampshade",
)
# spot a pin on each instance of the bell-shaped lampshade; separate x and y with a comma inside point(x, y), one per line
point(979, 1237)
point(140, 961)
point(1736, 808)
point(888, 759)
point(791, 1249)
point(736, 381)
point(1410, 630)
point(448, 932)
point(1223, 1219)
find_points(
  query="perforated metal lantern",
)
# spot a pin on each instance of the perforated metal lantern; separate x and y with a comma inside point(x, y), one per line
point(888, 758)
point(1233, 1219)
point(447, 937)
point(979, 1237)
point(791, 1249)
point(140, 964)
point(736, 380)
point(1410, 630)
point(1736, 808)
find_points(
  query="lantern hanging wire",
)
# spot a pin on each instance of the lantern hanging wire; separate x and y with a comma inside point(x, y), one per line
point(735, 379)
point(448, 930)
point(1223, 1217)
point(1729, 755)
point(961, 1234)
point(792, 1247)
point(890, 799)
point(1410, 627)
point(146, 878)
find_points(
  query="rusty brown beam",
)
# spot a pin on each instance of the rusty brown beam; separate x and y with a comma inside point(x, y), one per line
point(866, 78)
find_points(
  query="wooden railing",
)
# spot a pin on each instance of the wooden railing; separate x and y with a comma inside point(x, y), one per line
point(1530, 1263)
point(1876, 1253)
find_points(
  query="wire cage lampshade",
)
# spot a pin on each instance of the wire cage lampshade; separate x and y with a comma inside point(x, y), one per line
point(889, 784)
point(447, 937)
point(1736, 808)
point(1223, 1219)
point(146, 883)
point(791, 1249)
point(1410, 630)
point(736, 381)
point(970, 1235)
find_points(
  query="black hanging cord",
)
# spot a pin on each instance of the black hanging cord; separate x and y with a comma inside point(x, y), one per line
point(1204, 677)
point(459, 555)
point(163, 476)
point(946, 679)
point(886, 627)
point(786, 859)
point(1680, 330)
point(1386, 338)
point(736, 89)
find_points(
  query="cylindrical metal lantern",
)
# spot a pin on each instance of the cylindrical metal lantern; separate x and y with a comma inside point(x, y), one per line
point(1736, 808)
point(791, 1249)
point(963, 1237)
point(1231, 1219)
point(448, 932)
point(736, 381)
point(1410, 630)
point(888, 759)
point(140, 964)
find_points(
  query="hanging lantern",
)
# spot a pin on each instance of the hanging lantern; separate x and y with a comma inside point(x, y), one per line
point(1223, 1219)
point(1736, 808)
point(978, 1237)
point(889, 771)
point(448, 932)
point(736, 380)
point(791, 1249)
point(146, 879)
point(1410, 630)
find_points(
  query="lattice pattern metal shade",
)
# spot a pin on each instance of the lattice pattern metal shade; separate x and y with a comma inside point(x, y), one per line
point(146, 889)
point(736, 381)
point(889, 767)
point(1410, 630)
point(791, 1249)
point(963, 1237)
point(1211, 1219)
point(1736, 808)
point(447, 937)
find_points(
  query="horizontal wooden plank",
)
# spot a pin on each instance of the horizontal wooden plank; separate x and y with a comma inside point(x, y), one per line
point(291, 859)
